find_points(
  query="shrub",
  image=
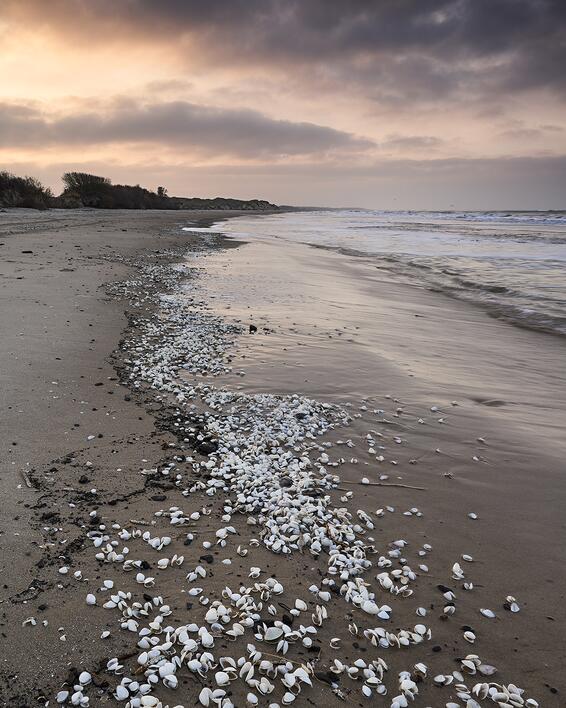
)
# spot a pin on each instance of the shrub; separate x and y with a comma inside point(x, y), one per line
point(85, 190)
point(26, 192)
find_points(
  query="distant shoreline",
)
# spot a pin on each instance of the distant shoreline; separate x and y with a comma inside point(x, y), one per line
point(86, 190)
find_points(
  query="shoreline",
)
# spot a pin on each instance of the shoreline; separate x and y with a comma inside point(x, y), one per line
point(147, 445)
point(447, 261)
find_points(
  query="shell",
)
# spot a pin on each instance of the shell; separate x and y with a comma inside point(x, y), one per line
point(272, 634)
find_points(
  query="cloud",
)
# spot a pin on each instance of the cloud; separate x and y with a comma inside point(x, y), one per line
point(422, 78)
point(412, 142)
point(206, 130)
point(520, 132)
point(551, 128)
point(169, 86)
point(393, 49)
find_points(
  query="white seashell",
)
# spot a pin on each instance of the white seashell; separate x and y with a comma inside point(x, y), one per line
point(481, 690)
point(211, 616)
point(289, 680)
point(222, 678)
point(487, 670)
point(469, 665)
point(205, 696)
point(337, 667)
point(457, 572)
point(272, 634)
point(170, 681)
point(121, 693)
point(370, 607)
point(303, 676)
point(421, 669)
point(207, 640)
point(487, 613)
point(265, 687)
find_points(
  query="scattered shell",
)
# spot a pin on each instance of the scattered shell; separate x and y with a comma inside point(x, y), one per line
point(261, 458)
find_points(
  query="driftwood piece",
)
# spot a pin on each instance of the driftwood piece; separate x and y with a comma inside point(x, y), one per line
point(386, 484)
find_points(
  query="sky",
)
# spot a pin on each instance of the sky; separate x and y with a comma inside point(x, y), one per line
point(386, 104)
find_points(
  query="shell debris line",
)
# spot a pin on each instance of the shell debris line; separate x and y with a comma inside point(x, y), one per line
point(257, 483)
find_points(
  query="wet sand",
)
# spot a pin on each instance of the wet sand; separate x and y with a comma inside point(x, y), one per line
point(337, 330)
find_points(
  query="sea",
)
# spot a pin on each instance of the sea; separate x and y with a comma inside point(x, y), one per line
point(511, 263)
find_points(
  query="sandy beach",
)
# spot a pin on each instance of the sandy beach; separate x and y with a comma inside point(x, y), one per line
point(165, 389)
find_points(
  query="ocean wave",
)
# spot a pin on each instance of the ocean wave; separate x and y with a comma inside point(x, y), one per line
point(539, 218)
point(511, 263)
point(538, 312)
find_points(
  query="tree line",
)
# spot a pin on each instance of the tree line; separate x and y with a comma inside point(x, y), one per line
point(85, 190)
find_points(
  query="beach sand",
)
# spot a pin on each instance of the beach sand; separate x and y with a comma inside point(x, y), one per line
point(491, 398)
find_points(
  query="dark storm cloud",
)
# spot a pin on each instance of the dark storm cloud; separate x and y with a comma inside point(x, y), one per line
point(242, 133)
point(388, 47)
